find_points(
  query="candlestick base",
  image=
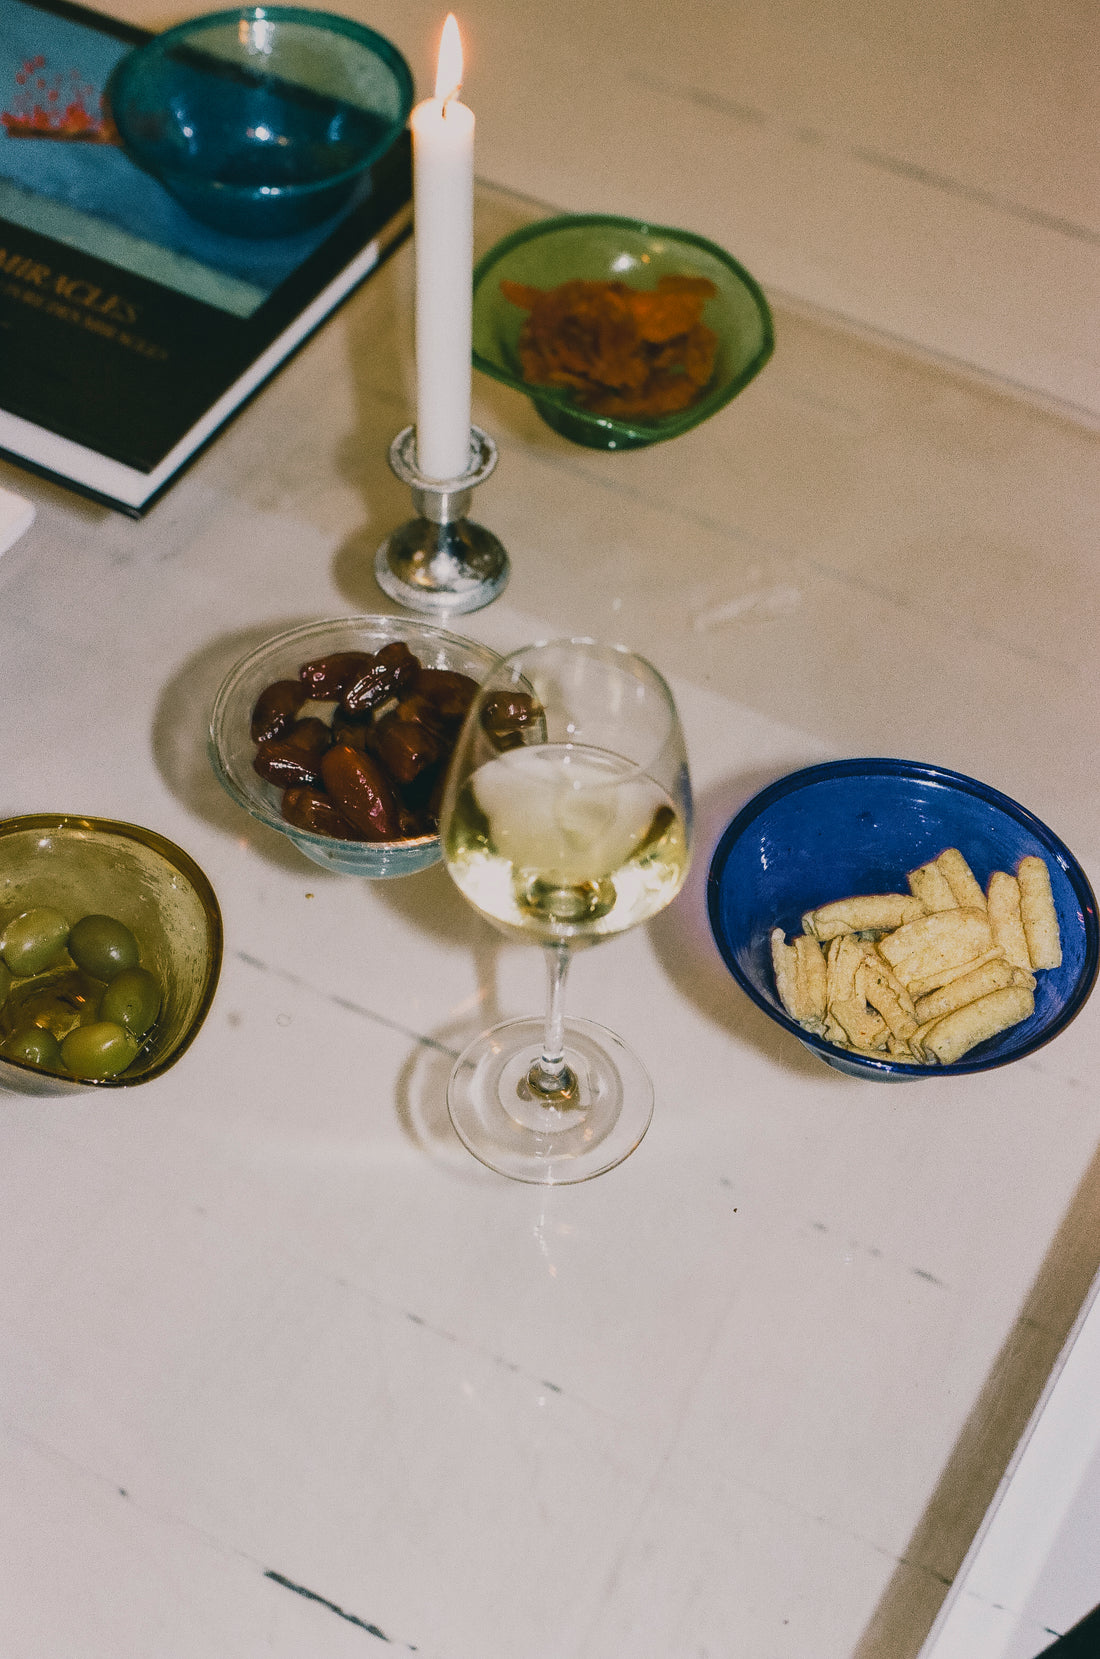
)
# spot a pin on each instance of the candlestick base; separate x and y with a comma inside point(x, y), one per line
point(440, 562)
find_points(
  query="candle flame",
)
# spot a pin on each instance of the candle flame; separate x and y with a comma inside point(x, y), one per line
point(448, 74)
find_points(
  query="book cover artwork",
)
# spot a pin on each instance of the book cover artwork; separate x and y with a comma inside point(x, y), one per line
point(129, 331)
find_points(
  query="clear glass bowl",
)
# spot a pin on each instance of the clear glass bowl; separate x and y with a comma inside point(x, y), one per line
point(263, 120)
point(857, 826)
point(232, 749)
point(601, 248)
point(94, 866)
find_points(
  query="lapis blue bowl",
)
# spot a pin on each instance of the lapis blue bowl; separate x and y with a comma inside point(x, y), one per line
point(264, 120)
point(857, 826)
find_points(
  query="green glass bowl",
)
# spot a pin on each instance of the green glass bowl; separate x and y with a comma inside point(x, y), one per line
point(95, 866)
point(598, 247)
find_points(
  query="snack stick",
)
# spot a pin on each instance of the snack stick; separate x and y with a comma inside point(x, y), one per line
point(834, 1032)
point(933, 981)
point(961, 879)
point(864, 913)
point(800, 980)
point(929, 884)
point(916, 1042)
point(877, 985)
point(810, 965)
point(862, 1026)
point(842, 959)
point(785, 968)
point(945, 939)
point(1037, 913)
point(955, 1034)
point(991, 976)
point(1003, 900)
point(865, 1028)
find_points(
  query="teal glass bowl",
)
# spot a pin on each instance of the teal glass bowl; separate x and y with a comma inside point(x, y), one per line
point(264, 120)
point(601, 248)
point(232, 750)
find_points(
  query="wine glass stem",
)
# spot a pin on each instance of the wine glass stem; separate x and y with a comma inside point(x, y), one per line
point(550, 1076)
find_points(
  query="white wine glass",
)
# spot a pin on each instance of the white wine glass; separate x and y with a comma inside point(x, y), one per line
point(566, 820)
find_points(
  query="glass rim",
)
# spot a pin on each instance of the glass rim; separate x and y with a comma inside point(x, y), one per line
point(608, 650)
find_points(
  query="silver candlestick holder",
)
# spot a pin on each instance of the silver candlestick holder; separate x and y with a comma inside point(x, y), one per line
point(440, 562)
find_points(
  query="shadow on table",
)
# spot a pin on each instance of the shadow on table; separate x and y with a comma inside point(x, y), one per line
point(179, 735)
point(685, 948)
point(981, 1454)
point(433, 902)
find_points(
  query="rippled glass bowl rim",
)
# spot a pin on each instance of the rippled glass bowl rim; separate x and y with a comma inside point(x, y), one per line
point(424, 850)
point(198, 881)
point(912, 771)
point(324, 22)
point(635, 433)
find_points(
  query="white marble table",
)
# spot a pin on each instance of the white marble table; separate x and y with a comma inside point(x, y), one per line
point(283, 1371)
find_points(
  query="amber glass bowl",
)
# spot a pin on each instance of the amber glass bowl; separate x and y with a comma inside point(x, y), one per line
point(95, 866)
point(602, 248)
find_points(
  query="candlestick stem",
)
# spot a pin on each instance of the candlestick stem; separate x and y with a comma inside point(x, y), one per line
point(441, 562)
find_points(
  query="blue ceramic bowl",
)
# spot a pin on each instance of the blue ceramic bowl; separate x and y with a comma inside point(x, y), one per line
point(857, 826)
point(264, 120)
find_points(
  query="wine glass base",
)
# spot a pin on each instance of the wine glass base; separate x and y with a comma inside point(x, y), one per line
point(501, 1120)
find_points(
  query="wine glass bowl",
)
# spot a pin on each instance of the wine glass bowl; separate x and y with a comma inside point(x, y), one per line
point(566, 820)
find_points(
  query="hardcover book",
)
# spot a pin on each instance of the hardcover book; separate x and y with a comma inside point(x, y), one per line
point(129, 332)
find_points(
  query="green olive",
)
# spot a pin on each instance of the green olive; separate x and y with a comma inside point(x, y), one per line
point(33, 941)
point(5, 980)
point(100, 1050)
point(102, 946)
point(34, 1046)
point(131, 999)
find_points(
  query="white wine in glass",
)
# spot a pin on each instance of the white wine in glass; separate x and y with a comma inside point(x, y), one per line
point(566, 820)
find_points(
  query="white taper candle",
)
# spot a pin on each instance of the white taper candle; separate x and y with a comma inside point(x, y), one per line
point(443, 204)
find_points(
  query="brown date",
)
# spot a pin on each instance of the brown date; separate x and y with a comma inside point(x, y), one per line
point(325, 677)
point(310, 735)
point(361, 792)
point(347, 729)
point(414, 822)
point(421, 711)
point(406, 748)
point(434, 804)
point(283, 764)
point(275, 707)
point(448, 691)
point(505, 715)
point(311, 809)
point(393, 669)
